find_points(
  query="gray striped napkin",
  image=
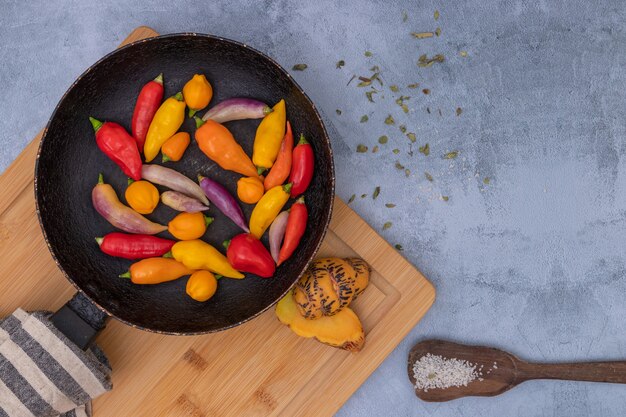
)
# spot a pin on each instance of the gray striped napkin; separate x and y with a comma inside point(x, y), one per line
point(43, 374)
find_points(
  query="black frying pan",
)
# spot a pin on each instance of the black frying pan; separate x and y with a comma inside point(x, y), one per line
point(69, 162)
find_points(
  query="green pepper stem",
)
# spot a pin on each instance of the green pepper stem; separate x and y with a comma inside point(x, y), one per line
point(168, 255)
point(260, 170)
point(159, 79)
point(130, 181)
point(165, 158)
point(97, 124)
point(99, 240)
point(125, 275)
point(226, 244)
point(267, 110)
point(302, 140)
point(100, 179)
point(200, 177)
point(218, 276)
point(208, 220)
point(178, 96)
point(199, 122)
point(192, 112)
point(287, 187)
point(300, 200)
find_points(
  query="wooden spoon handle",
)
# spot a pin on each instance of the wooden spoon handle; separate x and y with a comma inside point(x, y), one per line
point(614, 372)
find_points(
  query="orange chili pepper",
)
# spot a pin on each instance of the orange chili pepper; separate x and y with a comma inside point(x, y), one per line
point(250, 189)
point(189, 226)
point(282, 167)
point(201, 285)
point(156, 270)
point(174, 148)
point(220, 146)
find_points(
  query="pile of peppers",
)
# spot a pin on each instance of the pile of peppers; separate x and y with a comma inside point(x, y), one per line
point(276, 172)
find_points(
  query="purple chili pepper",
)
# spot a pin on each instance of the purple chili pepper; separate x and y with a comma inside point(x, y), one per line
point(237, 109)
point(224, 201)
point(277, 233)
point(181, 202)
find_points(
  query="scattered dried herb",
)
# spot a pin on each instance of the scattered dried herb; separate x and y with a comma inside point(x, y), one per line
point(399, 165)
point(402, 128)
point(389, 120)
point(436, 15)
point(363, 195)
point(438, 31)
point(422, 35)
point(375, 68)
point(361, 148)
point(375, 149)
point(364, 83)
point(394, 88)
point(439, 111)
point(364, 118)
point(428, 110)
point(407, 172)
point(451, 155)
point(352, 198)
point(399, 247)
point(368, 54)
point(338, 112)
point(376, 193)
point(425, 149)
point(387, 225)
point(427, 92)
point(396, 151)
point(463, 53)
point(405, 16)
point(414, 85)
point(390, 205)
point(486, 180)
point(376, 76)
point(426, 62)
point(353, 77)
point(299, 67)
point(459, 111)
point(411, 137)
point(428, 176)
point(383, 139)
point(340, 63)
point(369, 94)
point(445, 197)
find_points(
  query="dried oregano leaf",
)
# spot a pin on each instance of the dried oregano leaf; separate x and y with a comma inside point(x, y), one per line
point(422, 35)
point(411, 137)
point(368, 54)
point(426, 62)
point(463, 53)
point(438, 31)
point(402, 128)
point(338, 112)
point(405, 16)
point(387, 225)
point(376, 193)
point(426, 91)
point(451, 155)
point(368, 94)
point(363, 195)
point(394, 88)
point(340, 63)
point(364, 118)
point(375, 149)
point(361, 148)
point(436, 14)
point(383, 139)
point(459, 111)
point(407, 172)
point(486, 180)
point(396, 151)
point(389, 120)
point(428, 176)
point(445, 197)
point(425, 149)
point(364, 83)
point(398, 247)
point(399, 165)
point(299, 67)
point(414, 85)
point(352, 197)
point(390, 205)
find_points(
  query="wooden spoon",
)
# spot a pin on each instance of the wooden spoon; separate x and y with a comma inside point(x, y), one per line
point(508, 371)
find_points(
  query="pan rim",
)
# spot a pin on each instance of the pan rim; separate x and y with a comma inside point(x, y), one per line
point(325, 224)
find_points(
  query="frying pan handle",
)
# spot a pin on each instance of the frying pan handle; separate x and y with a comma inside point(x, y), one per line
point(80, 320)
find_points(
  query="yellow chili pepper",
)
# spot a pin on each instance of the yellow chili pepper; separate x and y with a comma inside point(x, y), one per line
point(269, 136)
point(250, 189)
point(201, 285)
point(189, 226)
point(142, 196)
point(268, 208)
point(197, 254)
point(198, 93)
point(174, 148)
point(167, 120)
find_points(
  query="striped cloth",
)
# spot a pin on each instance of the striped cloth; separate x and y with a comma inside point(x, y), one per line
point(43, 374)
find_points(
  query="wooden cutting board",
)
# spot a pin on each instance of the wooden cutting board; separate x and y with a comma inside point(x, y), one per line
point(258, 369)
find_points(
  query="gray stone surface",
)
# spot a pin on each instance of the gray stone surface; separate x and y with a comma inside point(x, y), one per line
point(532, 262)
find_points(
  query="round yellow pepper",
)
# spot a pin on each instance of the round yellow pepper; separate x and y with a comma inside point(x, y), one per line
point(142, 196)
point(197, 93)
point(189, 226)
point(201, 285)
point(250, 189)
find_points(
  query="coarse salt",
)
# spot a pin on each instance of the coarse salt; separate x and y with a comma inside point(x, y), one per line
point(435, 371)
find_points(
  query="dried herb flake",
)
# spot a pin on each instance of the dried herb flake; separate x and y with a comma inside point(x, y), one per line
point(364, 83)
point(369, 94)
point(463, 53)
point(426, 91)
point(436, 15)
point(394, 88)
point(387, 225)
point(411, 137)
point(438, 31)
point(368, 54)
point(352, 197)
point(361, 148)
point(299, 67)
point(383, 139)
point(396, 151)
point(340, 63)
point(338, 112)
point(405, 16)
point(451, 155)
point(422, 35)
point(414, 85)
point(389, 120)
point(375, 149)
point(486, 180)
point(353, 77)
point(426, 62)
point(399, 247)
point(390, 205)
point(402, 128)
point(407, 172)
point(399, 165)
point(364, 118)
point(376, 193)
point(363, 195)
point(428, 176)
point(445, 197)
point(459, 111)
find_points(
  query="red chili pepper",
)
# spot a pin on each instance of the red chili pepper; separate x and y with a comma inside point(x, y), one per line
point(117, 144)
point(296, 225)
point(126, 246)
point(247, 254)
point(147, 104)
point(301, 167)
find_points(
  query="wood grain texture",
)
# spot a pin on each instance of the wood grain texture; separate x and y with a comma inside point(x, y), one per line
point(257, 369)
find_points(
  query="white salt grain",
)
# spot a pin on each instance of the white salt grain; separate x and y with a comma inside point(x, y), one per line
point(435, 371)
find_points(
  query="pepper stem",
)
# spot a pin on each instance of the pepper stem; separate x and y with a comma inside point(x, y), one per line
point(168, 255)
point(125, 275)
point(100, 178)
point(208, 220)
point(218, 276)
point(165, 158)
point(159, 79)
point(99, 240)
point(192, 112)
point(302, 140)
point(199, 122)
point(260, 170)
point(226, 244)
point(267, 110)
point(130, 181)
point(97, 124)
point(178, 96)
point(287, 187)
point(200, 177)
point(300, 200)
